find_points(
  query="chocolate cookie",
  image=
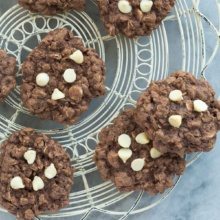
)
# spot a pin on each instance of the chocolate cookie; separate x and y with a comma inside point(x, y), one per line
point(7, 74)
point(133, 17)
point(180, 114)
point(35, 175)
point(52, 7)
point(61, 77)
point(125, 156)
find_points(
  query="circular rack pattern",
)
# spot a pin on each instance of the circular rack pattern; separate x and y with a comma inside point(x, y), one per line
point(134, 65)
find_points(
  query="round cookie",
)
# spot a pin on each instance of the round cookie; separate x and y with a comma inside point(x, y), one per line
point(125, 156)
point(52, 7)
point(61, 77)
point(7, 74)
point(35, 175)
point(180, 114)
point(133, 17)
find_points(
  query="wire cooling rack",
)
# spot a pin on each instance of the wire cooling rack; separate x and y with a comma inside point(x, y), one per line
point(131, 66)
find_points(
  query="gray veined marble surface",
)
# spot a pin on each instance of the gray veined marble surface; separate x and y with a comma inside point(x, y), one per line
point(197, 196)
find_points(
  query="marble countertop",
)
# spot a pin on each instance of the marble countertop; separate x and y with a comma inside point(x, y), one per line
point(197, 196)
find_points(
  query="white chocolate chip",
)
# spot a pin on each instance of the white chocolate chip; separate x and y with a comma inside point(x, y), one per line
point(17, 183)
point(142, 138)
point(124, 140)
point(42, 79)
point(137, 164)
point(154, 153)
point(37, 183)
point(200, 106)
point(51, 171)
point(146, 5)
point(124, 154)
point(77, 57)
point(176, 95)
point(175, 120)
point(124, 6)
point(57, 94)
point(30, 156)
point(69, 75)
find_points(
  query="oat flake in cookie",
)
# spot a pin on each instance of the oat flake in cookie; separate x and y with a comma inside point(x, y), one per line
point(35, 175)
point(61, 77)
point(52, 7)
point(7, 74)
point(139, 166)
point(180, 114)
point(133, 17)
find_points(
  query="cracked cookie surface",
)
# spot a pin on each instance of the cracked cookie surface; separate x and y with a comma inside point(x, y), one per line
point(135, 21)
point(52, 7)
point(61, 77)
point(7, 74)
point(197, 108)
point(124, 156)
point(28, 184)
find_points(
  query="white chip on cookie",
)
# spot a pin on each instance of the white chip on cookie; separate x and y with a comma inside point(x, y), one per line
point(30, 156)
point(77, 57)
point(57, 94)
point(175, 120)
point(200, 106)
point(42, 79)
point(17, 183)
point(50, 172)
point(137, 164)
point(124, 154)
point(69, 75)
point(142, 138)
point(154, 153)
point(124, 6)
point(37, 183)
point(146, 5)
point(124, 140)
point(176, 95)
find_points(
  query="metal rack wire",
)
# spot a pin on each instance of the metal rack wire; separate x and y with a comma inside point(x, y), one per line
point(136, 63)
